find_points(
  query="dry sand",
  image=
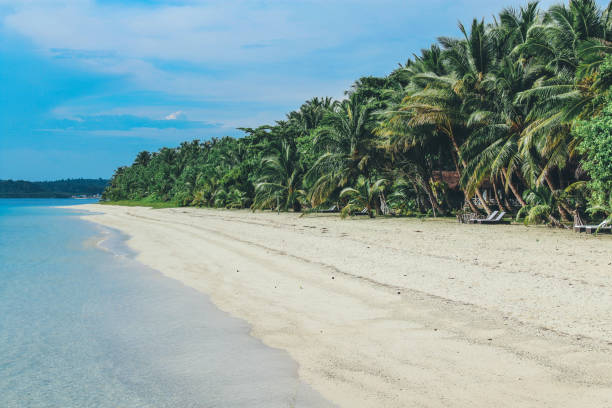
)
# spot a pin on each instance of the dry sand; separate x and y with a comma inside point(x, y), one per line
point(401, 312)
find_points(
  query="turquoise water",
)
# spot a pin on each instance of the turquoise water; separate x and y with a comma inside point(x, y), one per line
point(82, 326)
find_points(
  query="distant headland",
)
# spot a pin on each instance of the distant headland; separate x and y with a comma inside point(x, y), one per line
point(68, 188)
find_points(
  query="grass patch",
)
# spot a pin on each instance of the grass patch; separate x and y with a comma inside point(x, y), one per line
point(142, 203)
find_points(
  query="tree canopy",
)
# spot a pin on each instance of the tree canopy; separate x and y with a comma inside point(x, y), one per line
point(517, 110)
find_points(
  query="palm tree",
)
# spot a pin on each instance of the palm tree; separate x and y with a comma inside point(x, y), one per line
point(411, 149)
point(365, 195)
point(512, 29)
point(434, 110)
point(279, 185)
point(236, 199)
point(347, 148)
point(492, 150)
point(142, 159)
point(572, 42)
point(311, 114)
point(541, 203)
point(446, 100)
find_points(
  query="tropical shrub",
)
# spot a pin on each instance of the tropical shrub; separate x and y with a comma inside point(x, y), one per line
point(365, 196)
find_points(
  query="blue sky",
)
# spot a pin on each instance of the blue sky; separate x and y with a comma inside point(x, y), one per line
point(86, 84)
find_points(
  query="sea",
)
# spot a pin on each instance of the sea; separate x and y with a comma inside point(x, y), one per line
point(83, 324)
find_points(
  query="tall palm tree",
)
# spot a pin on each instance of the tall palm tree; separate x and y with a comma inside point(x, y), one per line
point(572, 42)
point(347, 147)
point(311, 114)
point(437, 106)
point(492, 150)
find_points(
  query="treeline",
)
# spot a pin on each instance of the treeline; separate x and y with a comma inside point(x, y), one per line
point(51, 189)
point(513, 115)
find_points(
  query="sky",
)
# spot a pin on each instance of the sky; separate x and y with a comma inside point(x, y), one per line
point(87, 84)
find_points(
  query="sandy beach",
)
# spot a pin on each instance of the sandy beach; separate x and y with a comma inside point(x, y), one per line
point(401, 312)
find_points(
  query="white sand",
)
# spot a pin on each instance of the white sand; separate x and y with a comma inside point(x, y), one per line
point(401, 312)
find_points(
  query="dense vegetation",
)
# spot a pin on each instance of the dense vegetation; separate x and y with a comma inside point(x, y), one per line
point(518, 110)
point(51, 189)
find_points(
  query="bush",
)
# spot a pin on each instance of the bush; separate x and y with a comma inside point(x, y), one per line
point(595, 137)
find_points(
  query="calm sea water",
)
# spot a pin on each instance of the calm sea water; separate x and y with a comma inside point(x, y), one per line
point(85, 327)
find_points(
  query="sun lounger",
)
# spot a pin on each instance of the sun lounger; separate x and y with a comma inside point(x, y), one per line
point(490, 217)
point(363, 212)
point(332, 209)
point(497, 220)
point(601, 228)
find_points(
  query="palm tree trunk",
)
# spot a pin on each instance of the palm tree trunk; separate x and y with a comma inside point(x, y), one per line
point(562, 211)
point(499, 203)
point(467, 200)
point(513, 189)
point(471, 204)
point(377, 206)
point(464, 163)
point(482, 200)
point(432, 199)
point(507, 203)
point(419, 195)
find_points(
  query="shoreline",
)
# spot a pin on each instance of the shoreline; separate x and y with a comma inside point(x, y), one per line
point(400, 312)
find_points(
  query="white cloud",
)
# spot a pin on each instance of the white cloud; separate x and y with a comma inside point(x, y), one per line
point(279, 52)
point(178, 115)
point(232, 49)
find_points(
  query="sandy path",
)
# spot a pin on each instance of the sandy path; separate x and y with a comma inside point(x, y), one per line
point(402, 312)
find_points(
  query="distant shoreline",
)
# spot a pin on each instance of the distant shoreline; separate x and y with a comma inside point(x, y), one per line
point(49, 196)
point(68, 188)
point(401, 312)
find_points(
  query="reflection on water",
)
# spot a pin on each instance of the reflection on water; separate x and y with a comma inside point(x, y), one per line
point(85, 327)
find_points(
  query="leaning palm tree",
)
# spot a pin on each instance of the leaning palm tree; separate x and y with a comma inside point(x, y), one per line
point(364, 196)
point(410, 149)
point(436, 109)
point(445, 101)
point(540, 208)
point(573, 43)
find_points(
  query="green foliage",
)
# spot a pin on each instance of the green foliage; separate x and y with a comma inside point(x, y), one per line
point(142, 203)
point(541, 207)
point(595, 137)
point(279, 185)
point(497, 107)
point(364, 196)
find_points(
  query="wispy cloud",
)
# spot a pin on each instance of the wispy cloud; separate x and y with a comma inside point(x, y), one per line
point(176, 120)
point(156, 72)
point(178, 115)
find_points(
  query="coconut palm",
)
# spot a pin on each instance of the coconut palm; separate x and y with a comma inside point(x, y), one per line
point(365, 195)
point(279, 185)
point(311, 114)
point(347, 148)
point(541, 204)
point(492, 150)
